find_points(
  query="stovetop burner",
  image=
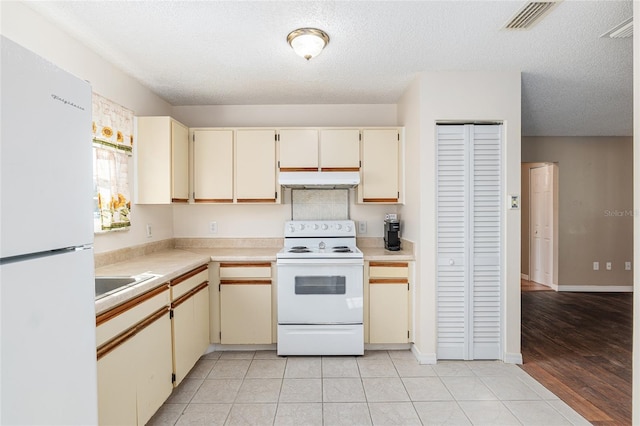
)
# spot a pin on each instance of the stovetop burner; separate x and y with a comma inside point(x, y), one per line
point(299, 249)
point(341, 249)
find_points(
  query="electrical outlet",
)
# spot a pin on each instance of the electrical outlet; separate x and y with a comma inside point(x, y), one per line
point(627, 266)
point(608, 265)
point(362, 227)
point(149, 234)
point(596, 266)
point(213, 227)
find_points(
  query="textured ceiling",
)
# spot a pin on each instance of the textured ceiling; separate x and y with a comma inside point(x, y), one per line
point(235, 53)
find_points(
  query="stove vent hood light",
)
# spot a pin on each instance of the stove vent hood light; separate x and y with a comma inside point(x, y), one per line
point(329, 180)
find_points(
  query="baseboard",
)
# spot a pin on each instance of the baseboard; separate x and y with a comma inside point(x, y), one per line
point(513, 358)
point(597, 288)
point(427, 358)
point(386, 347)
point(524, 277)
point(217, 347)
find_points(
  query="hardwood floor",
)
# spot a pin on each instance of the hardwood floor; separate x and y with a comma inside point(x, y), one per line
point(579, 346)
point(526, 285)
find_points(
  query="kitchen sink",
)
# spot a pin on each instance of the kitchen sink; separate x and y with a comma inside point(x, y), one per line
point(109, 285)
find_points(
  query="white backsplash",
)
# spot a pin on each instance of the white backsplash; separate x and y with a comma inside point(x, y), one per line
point(320, 204)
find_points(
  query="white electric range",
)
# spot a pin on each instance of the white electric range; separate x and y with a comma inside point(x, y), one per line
point(320, 289)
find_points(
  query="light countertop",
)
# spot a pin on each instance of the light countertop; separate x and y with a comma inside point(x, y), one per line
point(168, 264)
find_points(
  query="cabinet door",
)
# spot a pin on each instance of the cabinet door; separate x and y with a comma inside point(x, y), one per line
point(213, 166)
point(340, 150)
point(117, 386)
point(190, 332)
point(298, 150)
point(154, 365)
point(380, 166)
point(179, 163)
point(388, 312)
point(256, 166)
point(152, 149)
point(245, 313)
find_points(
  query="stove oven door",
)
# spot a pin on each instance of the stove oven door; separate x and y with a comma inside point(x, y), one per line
point(320, 291)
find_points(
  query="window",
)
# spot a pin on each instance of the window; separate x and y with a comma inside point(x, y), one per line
point(112, 149)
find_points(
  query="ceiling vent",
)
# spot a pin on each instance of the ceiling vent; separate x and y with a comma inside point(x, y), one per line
point(530, 14)
point(622, 30)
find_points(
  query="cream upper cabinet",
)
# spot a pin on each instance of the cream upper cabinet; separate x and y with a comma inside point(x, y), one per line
point(179, 163)
point(256, 166)
point(381, 171)
point(213, 166)
point(161, 150)
point(340, 150)
point(298, 150)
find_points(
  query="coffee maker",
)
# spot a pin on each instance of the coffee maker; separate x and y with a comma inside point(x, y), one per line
point(392, 234)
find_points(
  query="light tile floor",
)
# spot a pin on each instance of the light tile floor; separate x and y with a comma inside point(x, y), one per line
point(379, 388)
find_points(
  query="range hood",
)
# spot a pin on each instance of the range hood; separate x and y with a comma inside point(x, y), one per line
point(313, 180)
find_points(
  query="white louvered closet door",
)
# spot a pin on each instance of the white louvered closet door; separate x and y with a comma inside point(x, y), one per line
point(469, 241)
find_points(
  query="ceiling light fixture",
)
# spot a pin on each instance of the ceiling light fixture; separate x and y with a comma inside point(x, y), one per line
point(307, 42)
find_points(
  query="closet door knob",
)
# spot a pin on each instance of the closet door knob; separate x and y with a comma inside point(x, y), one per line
point(452, 262)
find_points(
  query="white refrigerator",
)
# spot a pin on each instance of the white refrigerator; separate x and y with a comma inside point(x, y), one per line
point(47, 308)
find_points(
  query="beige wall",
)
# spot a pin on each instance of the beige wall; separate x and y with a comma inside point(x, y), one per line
point(465, 97)
point(595, 207)
point(31, 30)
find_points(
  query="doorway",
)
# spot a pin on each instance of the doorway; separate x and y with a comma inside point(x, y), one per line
point(540, 223)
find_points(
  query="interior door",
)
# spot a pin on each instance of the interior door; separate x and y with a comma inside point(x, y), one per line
point(469, 241)
point(541, 228)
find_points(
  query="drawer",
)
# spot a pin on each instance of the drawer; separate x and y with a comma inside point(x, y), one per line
point(245, 270)
point(122, 317)
point(388, 270)
point(185, 283)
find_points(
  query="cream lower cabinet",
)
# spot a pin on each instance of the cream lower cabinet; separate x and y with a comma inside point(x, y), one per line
point(189, 320)
point(134, 359)
point(389, 302)
point(246, 303)
point(381, 166)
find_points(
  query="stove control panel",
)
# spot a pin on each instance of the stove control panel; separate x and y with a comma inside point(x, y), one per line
point(317, 228)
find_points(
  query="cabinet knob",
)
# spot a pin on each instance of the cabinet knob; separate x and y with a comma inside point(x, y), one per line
point(452, 262)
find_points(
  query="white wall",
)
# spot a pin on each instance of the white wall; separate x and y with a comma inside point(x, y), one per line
point(460, 96)
point(266, 221)
point(409, 116)
point(26, 27)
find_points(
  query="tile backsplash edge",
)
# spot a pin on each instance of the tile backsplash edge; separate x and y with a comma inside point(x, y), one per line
point(120, 255)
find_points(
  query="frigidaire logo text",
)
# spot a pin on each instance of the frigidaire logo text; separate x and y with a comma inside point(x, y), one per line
point(66, 102)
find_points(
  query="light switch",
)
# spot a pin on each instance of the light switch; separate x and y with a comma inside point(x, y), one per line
point(627, 266)
point(514, 201)
point(608, 266)
point(596, 266)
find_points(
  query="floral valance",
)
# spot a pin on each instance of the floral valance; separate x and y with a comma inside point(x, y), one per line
point(112, 148)
point(112, 124)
